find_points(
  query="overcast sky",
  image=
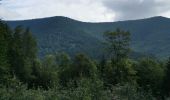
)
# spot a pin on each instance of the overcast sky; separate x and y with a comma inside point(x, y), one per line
point(84, 10)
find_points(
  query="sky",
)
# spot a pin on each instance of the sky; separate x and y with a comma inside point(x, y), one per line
point(84, 10)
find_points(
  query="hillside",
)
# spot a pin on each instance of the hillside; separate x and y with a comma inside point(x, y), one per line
point(151, 35)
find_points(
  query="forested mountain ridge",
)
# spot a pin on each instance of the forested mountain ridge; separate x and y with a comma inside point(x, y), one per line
point(59, 76)
point(54, 34)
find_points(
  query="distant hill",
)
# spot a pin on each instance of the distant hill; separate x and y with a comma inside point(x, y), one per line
point(55, 34)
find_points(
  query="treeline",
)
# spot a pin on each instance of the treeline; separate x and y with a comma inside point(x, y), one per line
point(23, 76)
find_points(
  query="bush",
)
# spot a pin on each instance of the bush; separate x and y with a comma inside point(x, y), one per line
point(130, 92)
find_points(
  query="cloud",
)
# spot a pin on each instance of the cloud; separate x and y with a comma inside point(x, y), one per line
point(6, 13)
point(136, 9)
point(84, 10)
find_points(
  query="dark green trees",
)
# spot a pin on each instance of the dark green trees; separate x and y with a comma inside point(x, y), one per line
point(80, 67)
point(63, 61)
point(118, 44)
point(83, 66)
point(17, 59)
point(4, 52)
point(29, 45)
point(18, 50)
point(166, 84)
point(78, 77)
point(119, 68)
point(48, 72)
point(23, 53)
point(150, 75)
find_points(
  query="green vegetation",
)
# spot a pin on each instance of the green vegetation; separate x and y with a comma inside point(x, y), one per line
point(58, 76)
point(148, 36)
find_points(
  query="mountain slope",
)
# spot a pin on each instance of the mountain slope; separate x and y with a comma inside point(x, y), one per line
point(151, 35)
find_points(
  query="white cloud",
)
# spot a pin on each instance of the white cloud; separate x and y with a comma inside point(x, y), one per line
point(6, 13)
point(84, 10)
point(136, 9)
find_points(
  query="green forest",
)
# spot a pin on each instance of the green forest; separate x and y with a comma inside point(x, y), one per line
point(58, 76)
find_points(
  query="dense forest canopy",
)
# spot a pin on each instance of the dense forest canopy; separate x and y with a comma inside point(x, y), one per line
point(149, 36)
point(24, 76)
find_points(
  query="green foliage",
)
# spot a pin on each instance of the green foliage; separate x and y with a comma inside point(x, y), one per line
point(118, 44)
point(131, 92)
point(166, 86)
point(81, 67)
point(89, 89)
point(63, 61)
point(29, 45)
point(86, 90)
point(64, 71)
point(71, 36)
point(22, 54)
point(119, 73)
point(150, 75)
point(49, 75)
point(119, 69)
point(4, 52)
point(59, 77)
point(45, 74)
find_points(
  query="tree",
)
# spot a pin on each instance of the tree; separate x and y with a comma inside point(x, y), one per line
point(81, 67)
point(119, 73)
point(101, 66)
point(64, 65)
point(63, 61)
point(89, 89)
point(16, 54)
point(119, 69)
point(4, 48)
point(48, 72)
point(150, 75)
point(166, 83)
point(29, 45)
point(118, 44)
point(23, 53)
point(36, 74)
